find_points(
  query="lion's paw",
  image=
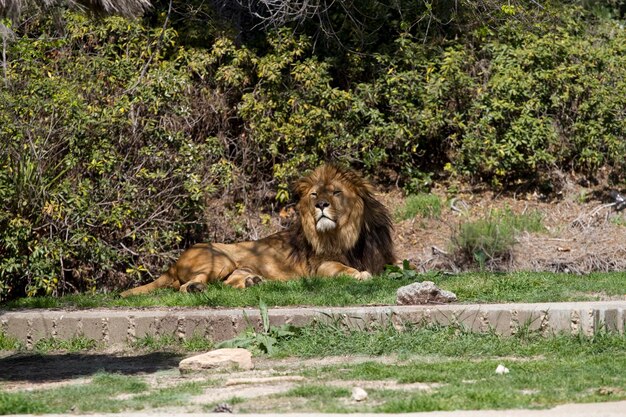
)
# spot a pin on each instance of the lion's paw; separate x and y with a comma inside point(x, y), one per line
point(253, 280)
point(363, 275)
point(193, 287)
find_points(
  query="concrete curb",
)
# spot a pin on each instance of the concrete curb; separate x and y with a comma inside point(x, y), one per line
point(121, 326)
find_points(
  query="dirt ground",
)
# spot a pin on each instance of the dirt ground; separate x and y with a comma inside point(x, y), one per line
point(584, 230)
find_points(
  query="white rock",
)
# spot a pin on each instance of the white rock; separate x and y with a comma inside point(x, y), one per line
point(359, 394)
point(222, 359)
point(423, 293)
point(501, 369)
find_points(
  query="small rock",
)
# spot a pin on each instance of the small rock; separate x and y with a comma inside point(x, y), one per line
point(359, 394)
point(501, 370)
point(219, 359)
point(423, 293)
point(223, 408)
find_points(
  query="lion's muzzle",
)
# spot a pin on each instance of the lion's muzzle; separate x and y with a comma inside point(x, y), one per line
point(324, 221)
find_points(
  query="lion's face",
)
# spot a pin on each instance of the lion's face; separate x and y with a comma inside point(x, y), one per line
point(331, 208)
point(329, 203)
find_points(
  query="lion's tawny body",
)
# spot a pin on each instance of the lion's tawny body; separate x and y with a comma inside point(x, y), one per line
point(341, 230)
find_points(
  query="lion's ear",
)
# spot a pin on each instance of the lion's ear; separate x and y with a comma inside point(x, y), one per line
point(301, 187)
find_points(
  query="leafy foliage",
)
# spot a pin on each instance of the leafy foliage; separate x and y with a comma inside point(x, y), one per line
point(99, 171)
point(263, 340)
point(404, 272)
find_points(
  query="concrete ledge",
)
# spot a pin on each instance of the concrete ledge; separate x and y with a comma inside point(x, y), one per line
point(121, 326)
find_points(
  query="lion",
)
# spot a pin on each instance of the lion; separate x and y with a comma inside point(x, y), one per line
point(341, 229)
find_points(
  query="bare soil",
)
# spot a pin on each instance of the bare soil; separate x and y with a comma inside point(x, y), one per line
point(584, 231)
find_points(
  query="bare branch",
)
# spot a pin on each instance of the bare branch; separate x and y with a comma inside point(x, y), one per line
point(129, 8)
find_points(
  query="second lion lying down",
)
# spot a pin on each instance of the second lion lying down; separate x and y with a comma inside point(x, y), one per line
point(341, 230)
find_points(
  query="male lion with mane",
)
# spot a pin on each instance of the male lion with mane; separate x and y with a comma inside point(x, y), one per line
point(341, 230)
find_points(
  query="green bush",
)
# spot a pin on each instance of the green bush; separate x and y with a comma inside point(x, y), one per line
point(550, 98)
point(100, 174)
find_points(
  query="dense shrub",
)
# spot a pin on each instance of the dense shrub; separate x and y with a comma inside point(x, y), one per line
point(99, 170)
point(548, 99)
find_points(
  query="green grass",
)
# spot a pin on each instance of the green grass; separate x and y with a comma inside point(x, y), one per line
point(531, 287)
point(423, 205)
point(106, 392)
point(95, 395)
point(75, 344)
point(463, 384)
point(493, 237)
point(9, 343)
point(460, 366)
point(618, 220)
point(452, 342)
point(343, 291)
point(151, 343)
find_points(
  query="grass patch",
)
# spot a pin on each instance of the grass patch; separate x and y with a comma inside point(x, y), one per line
point(9, 343)
point(93, 396)
point(318, 391)
point(344, 291)
point(110, 393)
point(458, 366)
point(493, 237)
point(176, 395)
point(532, 383)
point(423, 205)
point(75, 344)
point(149, 343)
point(322, 339)
point(532, 287)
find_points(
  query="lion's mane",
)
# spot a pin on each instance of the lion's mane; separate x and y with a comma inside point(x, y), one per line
point(363, 243)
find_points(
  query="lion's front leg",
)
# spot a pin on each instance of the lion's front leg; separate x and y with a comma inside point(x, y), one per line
point(333, 268)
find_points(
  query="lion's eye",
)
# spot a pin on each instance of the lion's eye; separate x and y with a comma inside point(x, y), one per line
point(313, 195)
point(336, 192)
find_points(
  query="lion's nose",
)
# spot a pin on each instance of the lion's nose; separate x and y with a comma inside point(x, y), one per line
point(322, 204)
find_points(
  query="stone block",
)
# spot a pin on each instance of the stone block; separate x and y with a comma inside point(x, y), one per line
point(66, 327)
point(19, 328)
point(423, 293)
point(116, 330)
point(559, 321)
point(193, 326)
point(221, 328)
point(142, 326)
point(40, 328)
point(95, 328)
point(166, 326)
point(215, 360)
point(500, 321)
